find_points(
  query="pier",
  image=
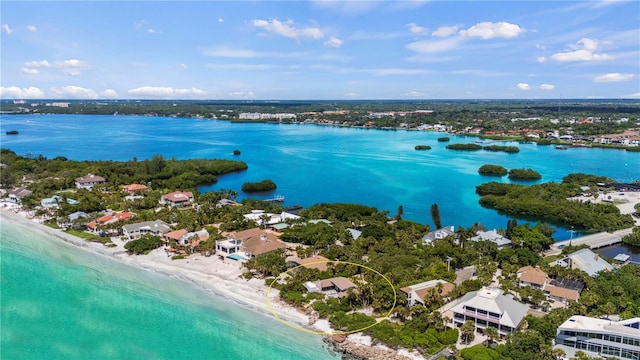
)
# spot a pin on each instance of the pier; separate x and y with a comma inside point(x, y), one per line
point(594, 241)
point(277, 199)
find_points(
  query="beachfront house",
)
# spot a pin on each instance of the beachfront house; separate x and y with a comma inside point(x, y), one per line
point(96, 225)
point(417, 293)
point(494, 237)
point(177, 199)
point(250, 243)
point(88, 181)
point(585, 260)
point(52, 202)
point(262, 218)
point(312, 262)
point(599, 337)
point(74, 220)
point(489, 307)
point(333, 287)
point(184, 238)
point(439, 234)
point(17, 194)
point(155, 228)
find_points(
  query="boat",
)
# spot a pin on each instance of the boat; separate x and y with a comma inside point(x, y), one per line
point(12, 132)
point(561, 147)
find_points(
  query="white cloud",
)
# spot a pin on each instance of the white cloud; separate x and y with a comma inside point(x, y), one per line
point(30, 71)
point(32, 28)
point(333, 42)
point(490, 30)
point(220, 51)
point(220, 20)
point(415, 94)
point(547, 87)
point(183, 66)
point(165, 92)
point(288, 29)
point(435, 46)
point(614, 77)
point(346, 7)
point(444, 31)
point(151, 31)
point(108, 94)
point(584, 50)
point(7, 29)
point(244, 67)
point(69, 67)
point(74, 92)
point(14, 92)
point(414, 28)
point(523, 86)
point(633, 96)
point(399, 71)
point(541, 59)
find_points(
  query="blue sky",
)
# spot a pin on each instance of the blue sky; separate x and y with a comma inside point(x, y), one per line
point(320, 49)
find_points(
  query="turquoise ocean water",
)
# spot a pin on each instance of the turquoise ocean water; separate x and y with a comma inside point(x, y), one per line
point(62, 302)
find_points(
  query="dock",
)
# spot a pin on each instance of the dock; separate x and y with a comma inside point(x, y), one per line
point(276, 199)
point(594, 241)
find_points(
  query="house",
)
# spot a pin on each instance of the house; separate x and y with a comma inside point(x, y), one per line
point(493, 236)
point(17, 194)
point(53, 201)
point(177, 198)
point(333, 287)
point(585, 260)
point(313, 262)
point(184, 238)
point(532, 277)
point(94, 226)
point(489, 307)
point(155, 228)
point(88, 181)
point(226, 202)
point(73, 219)
point(132, 189)
point(417, 293)
point(600, 337)
point(260, 217)
point(251, 242)
point(439, 234)
point(175, 235)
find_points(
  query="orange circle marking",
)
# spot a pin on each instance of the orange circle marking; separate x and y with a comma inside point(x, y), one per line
point(289, 324)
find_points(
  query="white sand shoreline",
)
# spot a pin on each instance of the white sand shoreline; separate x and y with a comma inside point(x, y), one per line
point(220, 278)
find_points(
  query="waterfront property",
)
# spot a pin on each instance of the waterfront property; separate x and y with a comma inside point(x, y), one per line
point(132, 189)
point(600, 337)
point(416, 294)
point(333, 287)
point(532, 277)
point(585, 260)
point(110, 218)
point(489, 307)
point(88, 181)
point(260, 217)
point(250, 243)
point(559, 290)
point(73, 220)
point(17, 194)
point(155, 228)
point(312, 262)
point(52, 202)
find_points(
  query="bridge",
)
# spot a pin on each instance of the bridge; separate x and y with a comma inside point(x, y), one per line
point(594, 241)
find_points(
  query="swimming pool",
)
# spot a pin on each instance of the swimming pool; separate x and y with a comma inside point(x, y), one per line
point(236, 257)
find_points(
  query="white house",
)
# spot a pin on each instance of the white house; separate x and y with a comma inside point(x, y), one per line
point(88, 181)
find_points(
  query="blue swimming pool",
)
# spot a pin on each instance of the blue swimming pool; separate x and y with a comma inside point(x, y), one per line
point(236, 257)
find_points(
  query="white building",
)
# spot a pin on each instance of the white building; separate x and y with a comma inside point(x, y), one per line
point(600, 337)
point(493, 236)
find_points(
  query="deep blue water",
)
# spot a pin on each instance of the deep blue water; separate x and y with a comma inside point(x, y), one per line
point(313, 164)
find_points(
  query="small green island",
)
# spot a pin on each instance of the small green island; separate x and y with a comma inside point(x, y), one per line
point(423, 147)
point(260, 186)
point(507, 149)
point(236, 152)
point(492, 170)
point(524, 174)
point(443, 139)
point(465, 147)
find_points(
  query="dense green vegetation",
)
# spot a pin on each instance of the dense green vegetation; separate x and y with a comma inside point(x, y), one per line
point(524, 174)
point(236, 152)
point(466, 147)
point(492, 170)
point(423, 147)
point(633, 238)
point(507, 149)
point(443, 139)
point(143, 245)
point(549, 201)
point(264, 185)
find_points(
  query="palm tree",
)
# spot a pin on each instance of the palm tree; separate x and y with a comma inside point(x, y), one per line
point(492, 334)
point(467, 331)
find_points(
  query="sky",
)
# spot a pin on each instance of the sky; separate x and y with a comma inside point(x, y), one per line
point(319, 50)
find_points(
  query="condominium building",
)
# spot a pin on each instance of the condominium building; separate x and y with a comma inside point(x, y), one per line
point(600, 337)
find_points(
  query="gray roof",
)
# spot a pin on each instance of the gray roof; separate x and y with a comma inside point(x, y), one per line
point(439, 234)
point(588, 261)
point(156, 226)
point(77, 214)
point(495, 301)
point(493, 236)
point(355, 234)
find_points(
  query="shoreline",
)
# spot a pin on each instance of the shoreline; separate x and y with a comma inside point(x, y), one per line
point(224, 280)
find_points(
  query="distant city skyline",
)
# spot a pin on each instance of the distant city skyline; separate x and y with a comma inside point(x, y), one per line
point(341, 50)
